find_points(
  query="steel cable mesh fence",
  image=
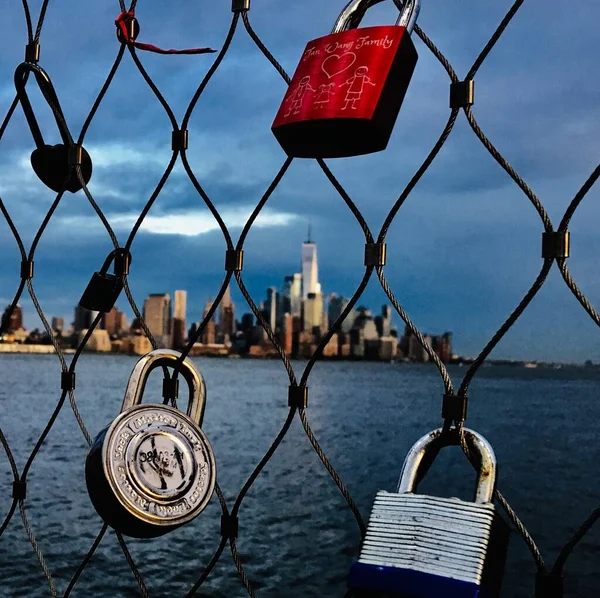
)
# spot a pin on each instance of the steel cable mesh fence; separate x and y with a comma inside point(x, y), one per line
point(234, 270)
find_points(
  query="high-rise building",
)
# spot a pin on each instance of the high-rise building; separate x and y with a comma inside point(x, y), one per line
point(207, 307)
point(14, 323)
point(58, 324)
point(336, 306)
point(226, 316)
point(290, 299)
point(115, 322)
point(180, 305)
point(83, 318)
point(310, 268)
point(157, 315)
point(384, 321)
point(313, 312)
point(178, 327)
point(271, 305)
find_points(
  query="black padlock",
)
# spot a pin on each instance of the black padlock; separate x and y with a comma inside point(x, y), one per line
point(55, 165)
point(104, 289)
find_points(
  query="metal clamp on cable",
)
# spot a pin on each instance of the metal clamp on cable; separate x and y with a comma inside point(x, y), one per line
point(454, 407)
point(32, 52)
point(548, 585)
point(75, 155)
point(298, 397)
point(556, 245)
point(67, 381)
point(128, 27)
point(27, 270)
point(240, 5)
point(375, 254)
point(122, 262)
point(462, 94)
point(19, 490)
point(229, 526)
point(179, 140)
point(234, 260)
point(170, 390)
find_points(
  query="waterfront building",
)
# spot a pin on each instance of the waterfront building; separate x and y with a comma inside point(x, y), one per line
point(384, 321)
point(416, 351)
point(270, 308)
point(286, 333)
point(115, 322)
point(58, 324)
point(291, 295)
point(335, 306)
point(310, 268)
point(179, 317)
point(157, 315)
point(83, 318)
point(15, 322)
point(313, 312)
point(227, 317)
point(364, 339)
point(209, 334)
point(99, 341)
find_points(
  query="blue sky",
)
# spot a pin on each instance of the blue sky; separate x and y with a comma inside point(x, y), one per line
point(463, 249)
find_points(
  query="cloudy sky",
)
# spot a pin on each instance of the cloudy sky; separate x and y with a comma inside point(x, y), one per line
point(463, 249)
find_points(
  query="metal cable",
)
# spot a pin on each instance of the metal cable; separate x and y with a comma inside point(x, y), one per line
point(271, 334)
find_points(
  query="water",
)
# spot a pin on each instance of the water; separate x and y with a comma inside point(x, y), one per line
point(297, 536)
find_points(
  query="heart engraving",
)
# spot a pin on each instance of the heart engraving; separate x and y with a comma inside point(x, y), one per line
point(51, 164)
point(335, 64)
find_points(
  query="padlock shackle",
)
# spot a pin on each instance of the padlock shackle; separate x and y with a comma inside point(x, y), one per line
point(355, 11)
point(45, 85)
point(169, 358)
point(425, 450)
point(124, 255)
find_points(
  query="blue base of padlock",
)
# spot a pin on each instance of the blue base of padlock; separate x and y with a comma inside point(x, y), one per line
point(404, 583)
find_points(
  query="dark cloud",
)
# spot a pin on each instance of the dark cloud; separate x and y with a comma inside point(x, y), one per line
point(464, 247)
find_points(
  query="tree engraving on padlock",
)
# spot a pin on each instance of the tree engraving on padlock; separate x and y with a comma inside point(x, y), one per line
point(427, 546)
point(346, 93)
point(153, 469)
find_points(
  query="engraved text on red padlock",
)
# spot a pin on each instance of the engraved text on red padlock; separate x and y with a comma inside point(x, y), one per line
point(346, 93)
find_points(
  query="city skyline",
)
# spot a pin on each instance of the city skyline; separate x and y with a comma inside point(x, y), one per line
point(298, 315)
point(448, 260)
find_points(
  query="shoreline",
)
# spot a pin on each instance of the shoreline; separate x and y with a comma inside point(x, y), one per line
point(21, 349)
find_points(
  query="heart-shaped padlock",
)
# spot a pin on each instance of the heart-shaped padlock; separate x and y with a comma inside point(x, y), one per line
point(55, 165)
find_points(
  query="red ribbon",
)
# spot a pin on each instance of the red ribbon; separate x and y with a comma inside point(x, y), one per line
point(126, 16)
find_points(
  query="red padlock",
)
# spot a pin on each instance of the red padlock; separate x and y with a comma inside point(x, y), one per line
point(346, 93)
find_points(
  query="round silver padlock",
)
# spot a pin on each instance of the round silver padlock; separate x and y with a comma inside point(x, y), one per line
point(153, 469)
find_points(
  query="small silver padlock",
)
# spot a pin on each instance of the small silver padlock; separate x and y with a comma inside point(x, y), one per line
point(152, 469)
point(432, 547)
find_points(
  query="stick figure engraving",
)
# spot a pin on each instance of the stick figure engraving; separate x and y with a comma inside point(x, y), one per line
point(356, 86)
point(325, 92)
point(297, 97)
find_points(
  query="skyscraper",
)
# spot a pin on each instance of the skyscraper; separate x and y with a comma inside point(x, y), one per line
point(310, 268)
point(313, 312)
point(291, 295)
point(58, 324)
point(337, 305)
point(226, 316)
point(115, 322)
point(83, 318)
point(180, 305)
point(271, 305)
point(157, 314)
point(178, 328)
